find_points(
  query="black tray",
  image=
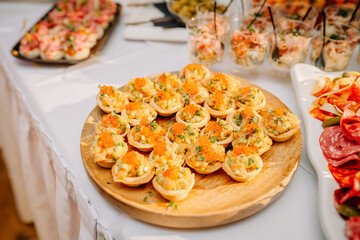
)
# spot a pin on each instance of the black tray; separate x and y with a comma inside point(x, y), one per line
point(100, 42)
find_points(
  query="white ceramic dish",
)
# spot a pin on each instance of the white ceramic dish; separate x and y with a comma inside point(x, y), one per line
point(304, 77)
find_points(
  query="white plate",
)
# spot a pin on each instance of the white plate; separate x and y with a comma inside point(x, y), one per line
point(304, 77)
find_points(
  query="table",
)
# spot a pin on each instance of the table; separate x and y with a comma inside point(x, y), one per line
point(43, 109)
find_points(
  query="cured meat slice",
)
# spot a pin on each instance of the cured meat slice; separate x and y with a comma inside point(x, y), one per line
point(350, 125)
point(344, 177)
point(336, 146)
point(352, 228)
point(339, 162)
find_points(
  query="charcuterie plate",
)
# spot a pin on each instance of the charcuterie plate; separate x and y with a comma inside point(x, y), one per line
point(304, 77)
point(215, 199)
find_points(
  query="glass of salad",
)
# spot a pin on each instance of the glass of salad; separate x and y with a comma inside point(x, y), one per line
point(206, 40)
point(249, 41)
point(296, 11)
point(341, 13)
point(290, 44)
point(340, 41)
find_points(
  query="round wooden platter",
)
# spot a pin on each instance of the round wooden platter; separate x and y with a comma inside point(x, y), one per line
point(215, 199)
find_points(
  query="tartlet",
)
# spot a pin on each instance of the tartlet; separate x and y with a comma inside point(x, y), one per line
point(168, 81)
point(221, 82)
point(252, 135)
point(243, 116)
point(140, 89)
point(133, 169)
point(134, 112)
point(145, 135)
point(195, 73)
point(242, 163)
point(183, 134)
point(113, 123)
point(205, 157)
point(166, 153)
point(107, 148)
point(252, 97)
point(166, 103)
point(192, 91)
point(279, 124)
point(110, 99)
point(219, 132)
point(173, 181)
point(194, 115)
point(219, 105)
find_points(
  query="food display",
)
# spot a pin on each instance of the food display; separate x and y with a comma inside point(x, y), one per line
point(340, 41)
point(68, 32)
point(251, 97)
point(249, 41)
point(170, 155)
point(219, 104)
point(206, 41)
point(292, 44)
point(338, 106)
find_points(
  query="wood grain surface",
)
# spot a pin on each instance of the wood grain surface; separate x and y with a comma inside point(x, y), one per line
point(215, 199)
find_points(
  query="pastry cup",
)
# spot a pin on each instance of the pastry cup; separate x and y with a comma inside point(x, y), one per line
point(163, 112)
point(142, 147)
point(256, 107)
point(204, 91)
point(134, 122)
point(200, 124)
point(284, 136)
point(105, 163)
point(208, 170)
point(219, 114)
point(106, 108)
point(133, 98)
point(173, 195)
point(248, 176)
point(230, 119)
point(97, 130)
point(224, 142)
point(134, 181)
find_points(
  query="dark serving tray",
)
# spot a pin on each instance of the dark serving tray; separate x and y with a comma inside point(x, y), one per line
point(15, 50)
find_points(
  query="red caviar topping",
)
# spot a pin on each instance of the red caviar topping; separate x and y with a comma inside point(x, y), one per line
point(133, 106)
point(108, 90)
point(110, 120)
point(172, 172)
point(222, 78)
point(165, 79)
point(250, 128)
point(160, 148)
point(166, 95)
point(178, 128)
point(191, 109)
point(132, 158)
point(207, 149)
point(191, 67)
point(280, 112)
point(245, 90)
point(191, 88)
point(105, 140)
point(139, 82)
point(219, 98)
point(144, 122)
point(241, 149)
point(214, 127)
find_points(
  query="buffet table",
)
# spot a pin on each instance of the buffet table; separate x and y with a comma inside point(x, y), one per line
point(43, 109)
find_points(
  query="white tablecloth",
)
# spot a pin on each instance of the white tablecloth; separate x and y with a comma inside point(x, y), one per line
point(43, 109)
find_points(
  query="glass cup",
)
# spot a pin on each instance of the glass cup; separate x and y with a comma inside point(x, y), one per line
point(292, 43)
point(340, 41)
point(341, 13)
point(205, 42)
point(260, 13)
point(296, 11)
point(249, 43)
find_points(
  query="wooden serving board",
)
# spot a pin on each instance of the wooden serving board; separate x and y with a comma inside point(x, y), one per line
point(215, 199)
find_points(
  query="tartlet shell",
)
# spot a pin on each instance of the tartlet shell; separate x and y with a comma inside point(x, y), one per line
point(108, 109)
point(216, 113)
point(200, 124)
point(162, 112)
point(135, 181)
point(142, 147)
point(176, 195)
point(251, 175)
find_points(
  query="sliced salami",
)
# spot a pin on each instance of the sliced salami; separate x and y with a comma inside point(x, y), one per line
point(339, 162)
point(350, 125)
point(344, 177)
point(336, 146)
